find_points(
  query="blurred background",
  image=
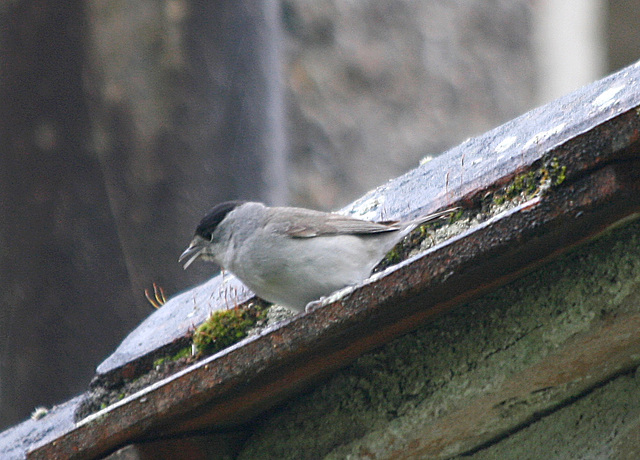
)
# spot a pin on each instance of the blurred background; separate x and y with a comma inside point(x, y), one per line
point(123, 121)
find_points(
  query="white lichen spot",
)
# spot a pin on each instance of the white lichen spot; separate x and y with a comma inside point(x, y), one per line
point(39, 412)
point(367, 209)
point(506, 143)
point(426, 159)
point(607, 98)
point(544, 135)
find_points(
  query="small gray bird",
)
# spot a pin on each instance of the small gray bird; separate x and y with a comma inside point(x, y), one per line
point(293, 256)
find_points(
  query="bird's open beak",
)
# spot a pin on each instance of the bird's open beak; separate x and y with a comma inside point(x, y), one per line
point(191, 253)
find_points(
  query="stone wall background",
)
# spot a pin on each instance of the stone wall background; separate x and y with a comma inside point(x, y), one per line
point(374, 87)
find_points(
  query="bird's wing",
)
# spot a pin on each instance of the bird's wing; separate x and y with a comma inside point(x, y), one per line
point(305, 223)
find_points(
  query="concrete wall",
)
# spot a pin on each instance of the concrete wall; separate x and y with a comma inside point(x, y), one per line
point(544, 367)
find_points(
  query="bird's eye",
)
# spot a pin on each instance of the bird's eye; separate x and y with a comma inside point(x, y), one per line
point(206, 235)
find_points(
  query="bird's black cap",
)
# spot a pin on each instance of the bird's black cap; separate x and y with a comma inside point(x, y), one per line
point(215, 215)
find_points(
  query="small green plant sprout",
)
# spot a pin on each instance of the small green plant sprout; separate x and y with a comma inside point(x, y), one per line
point(400, 251)
point(533, 183)
point(182, 353)
point(394, 256)
point(39, 412)
point(556, 174)
point(223, 328)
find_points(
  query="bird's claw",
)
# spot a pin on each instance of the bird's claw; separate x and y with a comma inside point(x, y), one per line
point(158, 299)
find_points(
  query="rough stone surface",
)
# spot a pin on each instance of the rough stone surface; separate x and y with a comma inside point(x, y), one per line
point(379, 403)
